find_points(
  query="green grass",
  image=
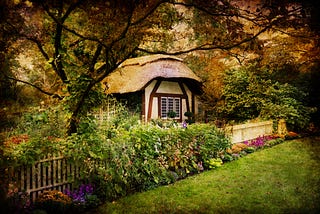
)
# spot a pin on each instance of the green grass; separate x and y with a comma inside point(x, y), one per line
point(281, 179)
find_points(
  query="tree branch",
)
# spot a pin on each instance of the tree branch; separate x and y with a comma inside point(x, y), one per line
point(57, 63)
point(115, 66)
point(254, 19)
point(32, 39)
point(304, 35)
point(204, 9)
point(208, 46)
point(60, 22)
point(126, 29)
point(40, 47)
point(95, 58)
point(150, 12)
point(36, 87)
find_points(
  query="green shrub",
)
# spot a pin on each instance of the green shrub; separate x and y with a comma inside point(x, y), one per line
point(134, 157)
point(251, 92)
point(146, 156)
point(250, 149)
point(41, 122)
point(214, 163)
point(164, 123)
point(171, 114)
point(227, 157)
point(274, 142)
point(53, 202)
point(38, 133)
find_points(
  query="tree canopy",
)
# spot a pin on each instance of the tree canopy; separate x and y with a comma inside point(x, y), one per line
point(73, 45)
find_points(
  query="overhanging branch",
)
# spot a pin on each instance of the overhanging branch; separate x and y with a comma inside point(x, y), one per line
point(61, 23)
point(208, 46)
point(37, 87)
point(40, 47)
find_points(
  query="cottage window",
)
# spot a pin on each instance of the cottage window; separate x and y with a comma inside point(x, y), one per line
point(169, 104)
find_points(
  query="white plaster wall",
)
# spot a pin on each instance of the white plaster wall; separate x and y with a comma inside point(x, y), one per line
point(154, 114)
point(196, 102)
point(169, 87)
point(184, 109)
point(147, 92)
point(189, 94)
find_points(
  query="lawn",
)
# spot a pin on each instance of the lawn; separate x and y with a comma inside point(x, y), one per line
point(281, 179)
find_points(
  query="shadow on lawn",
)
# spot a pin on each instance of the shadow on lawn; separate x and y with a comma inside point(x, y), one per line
point(313, 144)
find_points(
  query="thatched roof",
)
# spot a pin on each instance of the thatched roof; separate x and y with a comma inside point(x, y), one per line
point(134, 74)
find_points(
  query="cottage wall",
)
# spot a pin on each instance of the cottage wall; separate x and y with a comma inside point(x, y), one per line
point(169, 88)
point(143, 74)
point(147, 92)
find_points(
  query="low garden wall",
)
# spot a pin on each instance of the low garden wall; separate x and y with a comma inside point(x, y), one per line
point(249, 131)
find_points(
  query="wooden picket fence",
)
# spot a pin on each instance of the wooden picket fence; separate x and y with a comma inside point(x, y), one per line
point(51, 173)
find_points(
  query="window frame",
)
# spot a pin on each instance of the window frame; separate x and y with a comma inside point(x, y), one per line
point(176, 106)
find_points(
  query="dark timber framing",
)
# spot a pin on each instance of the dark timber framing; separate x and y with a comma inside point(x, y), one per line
point(154, 94)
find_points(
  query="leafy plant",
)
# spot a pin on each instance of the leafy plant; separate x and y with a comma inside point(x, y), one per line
point(274, 142)
point(147, 156)
point(17, 201)
point(84, 197)
point(164, 123)
point(251, 92)
point(28, 152)
point(258, 142)
point(41, 122)
point(214, 163)
point(250, 149)
point(171, 114)
point(134, 157)
point(53, 201)
point(190, 116)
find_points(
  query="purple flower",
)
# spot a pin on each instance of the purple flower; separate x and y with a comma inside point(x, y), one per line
point(184, 124)
point(200, 166)
point(79, 195)
point(258, 142)
point(236, 155)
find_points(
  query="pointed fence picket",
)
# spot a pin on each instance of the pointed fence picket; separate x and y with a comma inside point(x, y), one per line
point(51, 173)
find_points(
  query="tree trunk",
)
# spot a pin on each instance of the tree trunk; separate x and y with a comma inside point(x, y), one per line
point(76, 113)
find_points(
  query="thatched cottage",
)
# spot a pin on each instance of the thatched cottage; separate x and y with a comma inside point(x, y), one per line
point(158, 84)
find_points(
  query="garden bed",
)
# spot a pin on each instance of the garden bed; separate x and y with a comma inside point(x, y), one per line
point(280, 179)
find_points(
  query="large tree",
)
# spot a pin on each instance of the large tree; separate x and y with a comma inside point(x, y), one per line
point(82, 41)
